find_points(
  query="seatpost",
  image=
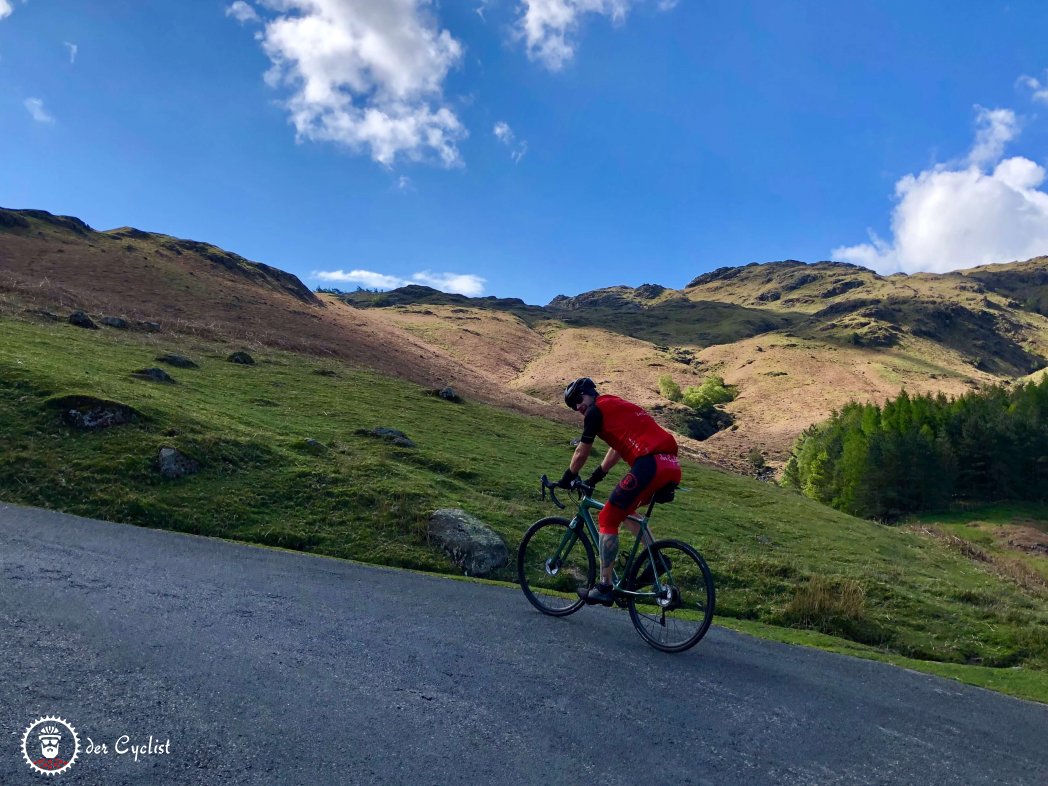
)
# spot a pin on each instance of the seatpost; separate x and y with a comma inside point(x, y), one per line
point(651, 507)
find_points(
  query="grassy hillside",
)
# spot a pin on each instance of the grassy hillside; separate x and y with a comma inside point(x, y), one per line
point(779, 559)
point(797, 340)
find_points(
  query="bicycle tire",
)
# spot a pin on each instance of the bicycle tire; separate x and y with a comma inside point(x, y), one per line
point(695, 599)
point(553, 590)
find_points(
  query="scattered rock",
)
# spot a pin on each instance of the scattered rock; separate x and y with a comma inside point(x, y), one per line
point(88, 412)
point(153, 375)
point(314, 446)
point(325, 372)
point(172, 464)
point(471, 544)
point(398, 438)
point(178, 361)
point(148, 327)
point(115, 322)
point(242, 358)
point(80, 319)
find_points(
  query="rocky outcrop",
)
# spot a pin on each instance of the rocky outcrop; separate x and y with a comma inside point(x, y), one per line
point(469, 542)
point(115, 322)
point(610, 297)
point(649, 291)
point(90, 413)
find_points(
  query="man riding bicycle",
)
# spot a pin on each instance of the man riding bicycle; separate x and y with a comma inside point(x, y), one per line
point(632, 434)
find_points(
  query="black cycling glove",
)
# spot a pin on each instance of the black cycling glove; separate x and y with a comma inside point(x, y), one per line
point(598, 475)
point(568, 478)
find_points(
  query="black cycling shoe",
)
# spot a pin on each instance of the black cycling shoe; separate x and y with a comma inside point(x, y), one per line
point(602, 594)
point(646, 576)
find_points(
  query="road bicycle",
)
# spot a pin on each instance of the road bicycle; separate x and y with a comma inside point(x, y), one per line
point(667, 588)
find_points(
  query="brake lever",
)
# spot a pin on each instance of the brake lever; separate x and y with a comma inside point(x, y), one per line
point(552, 494)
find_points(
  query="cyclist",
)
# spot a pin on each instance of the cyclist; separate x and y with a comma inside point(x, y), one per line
point(632, 434)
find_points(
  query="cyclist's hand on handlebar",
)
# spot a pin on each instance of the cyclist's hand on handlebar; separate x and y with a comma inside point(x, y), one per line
point(597, 476)
point(567, 479)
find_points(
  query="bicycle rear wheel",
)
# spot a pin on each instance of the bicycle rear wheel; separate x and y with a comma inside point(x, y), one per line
point(678, 613)
point(553, 563)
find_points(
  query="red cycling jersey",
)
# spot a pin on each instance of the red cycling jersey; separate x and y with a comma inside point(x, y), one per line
point(627, 428)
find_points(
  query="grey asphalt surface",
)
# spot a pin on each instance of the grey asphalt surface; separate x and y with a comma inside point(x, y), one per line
point(266, 667)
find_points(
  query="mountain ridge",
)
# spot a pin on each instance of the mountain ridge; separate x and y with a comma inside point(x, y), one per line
point(797, 339)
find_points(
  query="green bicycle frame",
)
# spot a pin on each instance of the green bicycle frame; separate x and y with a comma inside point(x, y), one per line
point(585, 520)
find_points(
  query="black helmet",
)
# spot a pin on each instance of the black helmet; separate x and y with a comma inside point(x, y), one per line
point(574, 392)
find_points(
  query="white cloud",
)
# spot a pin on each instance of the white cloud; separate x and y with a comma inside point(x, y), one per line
point(73, 49)
point(995, 128)
point(365, 278)
point(504, 134)
point(548, 26)
point(468, 284)
point(242, 12)
point(35, 108)
point(1039, 89)
point(964, 214)
point(463, 284)
point(5, 8)
point(366, 74)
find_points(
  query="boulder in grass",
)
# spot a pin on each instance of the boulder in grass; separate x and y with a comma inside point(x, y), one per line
point(153, 375)
point(242, 358)
point(115, 322)
point(469, 542)
point(398, 438)
point(90, 413)
point(173, 464)
point(448, 394)
point(148, 327)
point(178, 361)
point(80, 319)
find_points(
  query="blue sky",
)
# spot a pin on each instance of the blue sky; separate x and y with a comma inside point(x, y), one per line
point(525, 148)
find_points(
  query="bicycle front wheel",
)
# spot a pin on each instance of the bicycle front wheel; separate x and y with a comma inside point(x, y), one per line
point(673, 612)
point(553, 563)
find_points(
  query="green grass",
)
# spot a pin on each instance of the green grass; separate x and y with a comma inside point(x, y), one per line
point(785, 566)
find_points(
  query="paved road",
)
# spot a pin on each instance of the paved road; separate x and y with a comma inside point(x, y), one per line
point(264, 667)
